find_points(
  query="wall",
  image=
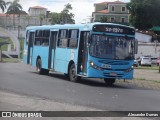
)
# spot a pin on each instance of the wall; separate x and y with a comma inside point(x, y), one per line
point(143, 37)
point(23, 21)
point(37, 12)
point(148, 49)
point(99, 7)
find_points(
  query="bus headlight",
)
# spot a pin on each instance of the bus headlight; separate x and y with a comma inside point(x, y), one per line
point(95, 66)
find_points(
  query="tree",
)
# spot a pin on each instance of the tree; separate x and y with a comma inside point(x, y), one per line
point(144, 13)
point(28, 18)
point(41, 18)
point(2, 5)
point(63, 17)
point(104, 19)
point(14, 8)
point(54, 18)
point(66, 16)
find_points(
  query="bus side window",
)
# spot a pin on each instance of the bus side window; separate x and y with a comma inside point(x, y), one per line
point(73, 38)
point(62, 38)
point(42, 37)
point(45, 37)
point(38, 37)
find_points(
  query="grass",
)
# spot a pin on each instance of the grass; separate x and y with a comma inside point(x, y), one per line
point(10, 60)
point(156, 81)
point(153, 67)
point(140, 79)
point(5, 47)
point(21, 47)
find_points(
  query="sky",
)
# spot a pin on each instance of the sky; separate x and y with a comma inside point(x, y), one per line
point(81, 8)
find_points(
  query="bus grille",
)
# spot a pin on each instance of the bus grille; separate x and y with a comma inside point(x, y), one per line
point(114, 62)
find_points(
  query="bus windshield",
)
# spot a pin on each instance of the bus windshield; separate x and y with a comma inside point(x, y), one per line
point(112, 47)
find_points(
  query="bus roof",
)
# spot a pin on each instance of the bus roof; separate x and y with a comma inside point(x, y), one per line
point(87, 26)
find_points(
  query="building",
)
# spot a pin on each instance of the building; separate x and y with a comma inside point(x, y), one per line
point(17, 23)
point(37, 16)
point(116, 12)
point(148, 49)
point(37, 11)
point(147, 44)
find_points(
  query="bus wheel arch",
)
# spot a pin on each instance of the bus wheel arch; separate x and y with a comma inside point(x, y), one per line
point(72, 72)
point(39, 68)
point(38, 65)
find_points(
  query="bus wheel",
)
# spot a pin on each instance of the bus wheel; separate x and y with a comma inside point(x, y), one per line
point(39, 68)
point(109, 81)
point(72, 74)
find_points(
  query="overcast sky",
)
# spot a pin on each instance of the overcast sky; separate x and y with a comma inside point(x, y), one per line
point(81, 8)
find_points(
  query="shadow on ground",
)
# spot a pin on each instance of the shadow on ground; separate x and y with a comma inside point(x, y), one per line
point(98, 82)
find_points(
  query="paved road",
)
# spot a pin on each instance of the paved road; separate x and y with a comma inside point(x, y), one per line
point(22, 79)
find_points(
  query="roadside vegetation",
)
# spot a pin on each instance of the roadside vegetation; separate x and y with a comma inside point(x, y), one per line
point(21, 47)
point(5, 47)
point(153, 67)
point(10, 60)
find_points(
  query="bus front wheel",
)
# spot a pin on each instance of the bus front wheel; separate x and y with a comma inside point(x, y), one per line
point(109, 81)
point(39, 68)
point(72, 74)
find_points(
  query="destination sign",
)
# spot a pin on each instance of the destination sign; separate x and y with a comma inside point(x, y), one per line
point(114, 29)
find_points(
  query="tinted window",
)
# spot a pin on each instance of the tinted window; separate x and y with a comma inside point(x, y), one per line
point(73, 38)
point(62, 38)
point(42, 37)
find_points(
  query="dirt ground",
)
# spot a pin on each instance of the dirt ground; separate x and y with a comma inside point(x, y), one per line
point(144, 78)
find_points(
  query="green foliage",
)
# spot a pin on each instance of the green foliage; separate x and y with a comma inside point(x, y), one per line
point(14, 7)
point(144, 13)
point(21, 47)
point(11, 60)
point(20, 12)
point(2, 5)
point(65, 16)
point(104, 19)
point(4, 47)
point(41, 17)
point(54, 18)
point(148, 68)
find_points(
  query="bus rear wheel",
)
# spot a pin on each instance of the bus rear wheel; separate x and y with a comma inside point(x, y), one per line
point(72, 74)
point(109, 81)
point(39, 68)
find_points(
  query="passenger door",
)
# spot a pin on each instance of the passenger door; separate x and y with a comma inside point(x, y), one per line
point(52, 48)
point(30, 47)
point(83, 52)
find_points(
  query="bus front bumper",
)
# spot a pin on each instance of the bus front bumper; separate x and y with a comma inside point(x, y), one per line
point(117, 74)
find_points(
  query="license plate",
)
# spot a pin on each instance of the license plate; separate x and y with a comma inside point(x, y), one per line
point(113, 74)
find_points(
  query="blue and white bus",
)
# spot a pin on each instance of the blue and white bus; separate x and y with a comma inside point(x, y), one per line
point(93, 50)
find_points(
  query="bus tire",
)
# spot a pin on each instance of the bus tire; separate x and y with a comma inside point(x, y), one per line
point(39, 68)
point(72, 74)
point(109, 81)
